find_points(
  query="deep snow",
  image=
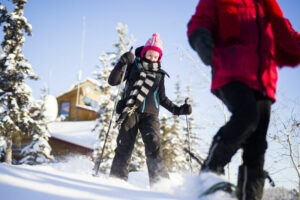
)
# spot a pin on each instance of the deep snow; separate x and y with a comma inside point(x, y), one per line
point(72, 179)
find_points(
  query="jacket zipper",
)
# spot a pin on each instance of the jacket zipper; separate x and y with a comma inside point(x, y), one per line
point(144, 104)
point(259, 49)
point(155, 98)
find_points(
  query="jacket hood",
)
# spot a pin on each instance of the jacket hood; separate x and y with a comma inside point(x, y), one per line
point(138, 51)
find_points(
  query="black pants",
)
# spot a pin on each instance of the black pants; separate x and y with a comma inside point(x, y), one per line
point(149, 127)
point(246, 129)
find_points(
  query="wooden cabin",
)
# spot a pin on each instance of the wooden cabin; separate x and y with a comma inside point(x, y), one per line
point(79, 106)
point(67, 138)
point(80, 102)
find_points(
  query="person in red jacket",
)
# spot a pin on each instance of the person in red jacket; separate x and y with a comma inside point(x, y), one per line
point(243, 41)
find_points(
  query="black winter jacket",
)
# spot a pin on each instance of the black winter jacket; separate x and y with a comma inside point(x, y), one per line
point(154, 98)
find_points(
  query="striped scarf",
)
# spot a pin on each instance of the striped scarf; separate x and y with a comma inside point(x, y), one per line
point(140, 88)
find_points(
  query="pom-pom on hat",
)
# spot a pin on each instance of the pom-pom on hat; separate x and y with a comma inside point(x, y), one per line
point(154, 43)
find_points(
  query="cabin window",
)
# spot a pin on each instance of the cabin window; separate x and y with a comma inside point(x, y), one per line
point(64, 108)
point(90, 102)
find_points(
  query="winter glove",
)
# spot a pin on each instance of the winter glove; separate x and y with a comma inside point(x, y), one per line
point(125, 59)
point(185, 109)
point(202, 42)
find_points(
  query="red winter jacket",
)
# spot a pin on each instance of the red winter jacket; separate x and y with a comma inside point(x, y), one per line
point(244, 42)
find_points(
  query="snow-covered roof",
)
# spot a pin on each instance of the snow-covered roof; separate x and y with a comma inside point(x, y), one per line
point(79, 132)
point(91, 80)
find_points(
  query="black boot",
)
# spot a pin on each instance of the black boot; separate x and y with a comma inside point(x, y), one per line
point(157, 170)
point(250, 183)
point(119, 167)
point(219, 155)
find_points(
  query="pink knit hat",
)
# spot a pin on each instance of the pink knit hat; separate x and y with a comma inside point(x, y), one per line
point(154, 43)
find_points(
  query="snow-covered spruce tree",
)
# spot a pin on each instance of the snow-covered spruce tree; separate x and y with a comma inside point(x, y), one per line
point(167, 138)
point(106, 106)
point(38, 150)
point(107, 99)
point(173, 140)
point(15, 95)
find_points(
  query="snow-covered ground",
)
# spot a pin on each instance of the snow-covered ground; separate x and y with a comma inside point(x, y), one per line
point(72, 179)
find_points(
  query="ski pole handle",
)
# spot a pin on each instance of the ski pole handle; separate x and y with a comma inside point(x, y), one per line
point(186, 100)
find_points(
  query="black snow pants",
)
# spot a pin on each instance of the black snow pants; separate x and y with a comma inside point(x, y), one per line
point(246, 129)
point(149, 127)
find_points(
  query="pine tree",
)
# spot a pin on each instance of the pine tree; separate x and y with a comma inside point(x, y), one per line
point(106, 106)
point(15, 95)
point(180, 143)
point(107, 99)
point(167, 137)
point(173, 138)
point(38, 150)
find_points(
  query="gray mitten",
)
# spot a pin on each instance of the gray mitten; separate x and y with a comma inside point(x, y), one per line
point(202, 42)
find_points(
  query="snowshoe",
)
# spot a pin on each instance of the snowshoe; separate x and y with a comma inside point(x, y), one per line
point(221, 186)
point(212, 184)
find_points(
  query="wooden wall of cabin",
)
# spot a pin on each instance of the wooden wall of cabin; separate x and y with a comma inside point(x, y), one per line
point(61, 149)
point(82, 114)
point(68, 97)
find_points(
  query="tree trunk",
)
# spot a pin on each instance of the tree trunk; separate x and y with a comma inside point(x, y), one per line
point(8, 157)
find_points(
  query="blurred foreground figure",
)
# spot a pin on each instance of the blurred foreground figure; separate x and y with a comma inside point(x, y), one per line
point(243, 41)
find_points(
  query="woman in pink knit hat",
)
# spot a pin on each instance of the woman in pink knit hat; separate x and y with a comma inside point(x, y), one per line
point(139, 108)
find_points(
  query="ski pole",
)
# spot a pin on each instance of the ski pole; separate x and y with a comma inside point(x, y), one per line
point(188, 132)
point(99, 158)
point(193, 156)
